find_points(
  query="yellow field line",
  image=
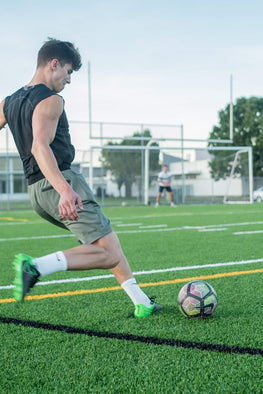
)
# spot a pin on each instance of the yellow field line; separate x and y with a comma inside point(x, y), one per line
point(13, 219)
point(104, 289)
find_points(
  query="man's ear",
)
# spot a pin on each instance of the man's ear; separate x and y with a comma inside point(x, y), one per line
point(54, 64)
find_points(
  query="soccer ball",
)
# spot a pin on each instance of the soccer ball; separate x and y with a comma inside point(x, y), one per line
point(197, 299)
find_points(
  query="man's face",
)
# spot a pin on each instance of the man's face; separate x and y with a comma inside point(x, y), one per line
point(165, 168)
point(61, 76)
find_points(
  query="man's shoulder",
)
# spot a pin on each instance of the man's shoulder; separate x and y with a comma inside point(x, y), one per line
point(37, 94)
point(39, 89)
point(163, 174)
point(31, 91)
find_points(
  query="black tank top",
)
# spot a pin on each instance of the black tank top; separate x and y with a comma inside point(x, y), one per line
point(18, 111)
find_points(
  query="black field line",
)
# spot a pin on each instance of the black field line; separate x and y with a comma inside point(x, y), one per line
point(135, 338)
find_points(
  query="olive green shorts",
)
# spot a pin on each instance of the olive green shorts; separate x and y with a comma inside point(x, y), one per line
point(92, 224)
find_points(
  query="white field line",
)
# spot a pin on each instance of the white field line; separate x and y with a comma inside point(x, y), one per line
point(154, 215)
point(137, 273)
point(203, 230)
point(210, 226)
point(248, 232)
point(212, 213)
point(154, 226)
point(128, 224)
point(146, 230)
point(37, 237)
point(14, 223)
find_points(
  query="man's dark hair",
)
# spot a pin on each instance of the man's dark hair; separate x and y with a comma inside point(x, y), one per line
point(63, 51)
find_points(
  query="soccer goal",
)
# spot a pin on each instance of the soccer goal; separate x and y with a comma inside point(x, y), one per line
point(241, 169)
point(200, 174)
point(121, 163)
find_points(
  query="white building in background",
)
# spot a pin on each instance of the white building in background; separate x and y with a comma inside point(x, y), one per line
point(197, 177)
point(13, 185)
point(192, 175)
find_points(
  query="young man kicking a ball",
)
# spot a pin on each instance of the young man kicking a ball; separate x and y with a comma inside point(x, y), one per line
point(36, 117)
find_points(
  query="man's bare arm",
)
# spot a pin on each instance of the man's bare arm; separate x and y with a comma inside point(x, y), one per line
point(44, 124)
point(2, 116)
point(164, 183)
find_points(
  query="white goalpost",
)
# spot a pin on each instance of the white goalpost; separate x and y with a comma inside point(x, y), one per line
point(238, 154)
point(170, 139)
point(184, 176)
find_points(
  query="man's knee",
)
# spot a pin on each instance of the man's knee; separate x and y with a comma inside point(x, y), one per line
point(112, 250)
point(112, 258)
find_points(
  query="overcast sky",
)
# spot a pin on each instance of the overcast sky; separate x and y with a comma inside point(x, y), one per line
point(165, 61)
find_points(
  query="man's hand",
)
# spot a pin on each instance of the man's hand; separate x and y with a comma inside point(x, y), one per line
point(67, 205)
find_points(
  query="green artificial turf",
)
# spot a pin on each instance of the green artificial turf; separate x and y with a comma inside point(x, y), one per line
point(89, 343)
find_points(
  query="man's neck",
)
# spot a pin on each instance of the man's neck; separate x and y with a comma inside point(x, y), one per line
point(40, 77)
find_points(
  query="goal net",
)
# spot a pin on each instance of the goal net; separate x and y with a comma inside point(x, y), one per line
point(128, 174)
point(239, 176)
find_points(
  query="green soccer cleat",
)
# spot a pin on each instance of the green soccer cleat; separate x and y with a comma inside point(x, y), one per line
point(143, 311)
point(26, 275)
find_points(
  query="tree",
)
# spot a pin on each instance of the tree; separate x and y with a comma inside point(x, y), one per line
point(126, 165)
point(248, 131)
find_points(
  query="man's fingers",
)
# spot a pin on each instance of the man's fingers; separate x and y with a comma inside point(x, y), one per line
point(69, 212)
point(79, 202)
point(68, 204)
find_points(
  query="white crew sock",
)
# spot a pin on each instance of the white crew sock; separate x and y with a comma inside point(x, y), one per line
point(135, 293)
point(51, 263)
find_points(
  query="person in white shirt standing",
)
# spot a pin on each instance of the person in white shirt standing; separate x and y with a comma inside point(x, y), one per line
point(164, 179)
